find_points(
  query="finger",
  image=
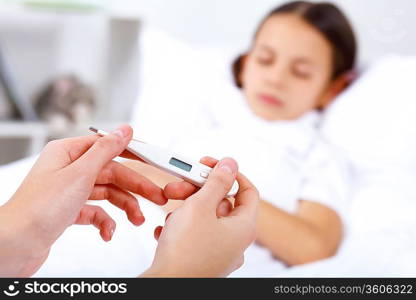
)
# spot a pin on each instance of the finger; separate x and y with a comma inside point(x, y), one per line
point(246, 199)
point(63, 152)
point(104, 150)
point(218, 184)
point(224, 208)
point(77, 146)
point(179, 190)
point(182, 190)
point(129, 155)
point(159, 229)
point(240, 262)
point(167, 216)
point(122, 199)
point(128, 179)
point(157, 232)
point(209, 161)
point(95, 215)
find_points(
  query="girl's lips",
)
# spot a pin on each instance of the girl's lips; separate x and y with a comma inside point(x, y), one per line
point(270, 100)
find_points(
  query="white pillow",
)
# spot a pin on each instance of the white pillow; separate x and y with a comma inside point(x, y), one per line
point(374, 124)
point(374, 121)
point(175, 74)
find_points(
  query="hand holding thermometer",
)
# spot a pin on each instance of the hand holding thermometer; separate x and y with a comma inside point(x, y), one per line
point(193, 172)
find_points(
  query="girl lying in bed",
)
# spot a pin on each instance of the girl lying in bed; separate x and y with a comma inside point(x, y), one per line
point(301, 57)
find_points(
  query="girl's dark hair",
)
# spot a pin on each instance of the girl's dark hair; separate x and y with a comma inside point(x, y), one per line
point(329, 21)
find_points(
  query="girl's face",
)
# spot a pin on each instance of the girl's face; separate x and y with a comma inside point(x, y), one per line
point(288, 71)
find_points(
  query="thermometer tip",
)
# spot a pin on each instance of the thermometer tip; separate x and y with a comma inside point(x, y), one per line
point(93, 129)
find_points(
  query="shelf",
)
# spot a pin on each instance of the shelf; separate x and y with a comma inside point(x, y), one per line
point(22, 129)
point(13, 10)
point(19, 140)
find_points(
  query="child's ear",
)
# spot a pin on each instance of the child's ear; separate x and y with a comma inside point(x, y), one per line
point(336, 87)
point(239, 69)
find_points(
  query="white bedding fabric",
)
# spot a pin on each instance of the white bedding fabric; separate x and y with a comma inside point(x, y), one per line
point(80, 251)
point(372, 124)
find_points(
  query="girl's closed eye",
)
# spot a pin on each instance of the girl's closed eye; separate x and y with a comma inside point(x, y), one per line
point(264, 56)
point(302, 71)
point(264, 59)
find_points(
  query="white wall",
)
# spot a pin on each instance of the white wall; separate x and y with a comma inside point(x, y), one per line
point(382, 26)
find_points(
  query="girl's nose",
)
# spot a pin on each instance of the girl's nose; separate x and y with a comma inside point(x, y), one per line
point(276, 76)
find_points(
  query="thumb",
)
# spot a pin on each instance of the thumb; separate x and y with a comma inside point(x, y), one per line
point(218, 185)
point(104, 150)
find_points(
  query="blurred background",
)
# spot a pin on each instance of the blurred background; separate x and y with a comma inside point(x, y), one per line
point(65, 65)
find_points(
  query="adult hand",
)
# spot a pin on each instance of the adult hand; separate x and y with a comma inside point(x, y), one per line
point(206, 236)
point(53, 197)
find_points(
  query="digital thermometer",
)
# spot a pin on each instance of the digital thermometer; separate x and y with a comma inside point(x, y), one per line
point(193, 172)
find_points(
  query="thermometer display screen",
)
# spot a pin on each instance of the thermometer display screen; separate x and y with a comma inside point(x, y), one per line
point(180, 164)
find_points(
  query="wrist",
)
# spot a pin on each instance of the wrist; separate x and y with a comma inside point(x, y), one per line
point(20, 251)
point(155, 272)
point(165, 271)
point(181, 271)
point(150, 273)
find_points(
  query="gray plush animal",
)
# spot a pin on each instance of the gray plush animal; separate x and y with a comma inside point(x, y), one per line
point(64, 103)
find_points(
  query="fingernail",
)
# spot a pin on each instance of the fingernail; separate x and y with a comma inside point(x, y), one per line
point(111, 232)
point(222, 209)
point(122, 131)
point(139, 220)
point(228, 165)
